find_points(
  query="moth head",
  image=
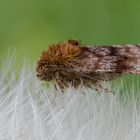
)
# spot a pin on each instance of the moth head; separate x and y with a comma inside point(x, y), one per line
point(46, 71)
point(55, 56)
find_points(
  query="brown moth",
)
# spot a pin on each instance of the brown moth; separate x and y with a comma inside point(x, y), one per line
point(72, 63)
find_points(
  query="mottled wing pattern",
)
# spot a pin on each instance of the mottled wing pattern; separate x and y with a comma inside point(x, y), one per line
point(107, 62)
point(119, 59)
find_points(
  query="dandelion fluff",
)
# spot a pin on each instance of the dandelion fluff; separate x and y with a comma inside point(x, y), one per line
point(30, 110)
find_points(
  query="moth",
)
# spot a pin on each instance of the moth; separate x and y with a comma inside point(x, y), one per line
point(72, 63)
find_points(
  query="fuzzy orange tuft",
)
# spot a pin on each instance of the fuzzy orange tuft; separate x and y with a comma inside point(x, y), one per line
point(61, 52)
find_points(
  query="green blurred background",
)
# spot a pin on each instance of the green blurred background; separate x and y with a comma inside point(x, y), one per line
point(30, 25)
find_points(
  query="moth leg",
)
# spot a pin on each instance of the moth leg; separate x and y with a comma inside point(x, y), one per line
point(61, 85)
point(101, 89)
point(58, 86)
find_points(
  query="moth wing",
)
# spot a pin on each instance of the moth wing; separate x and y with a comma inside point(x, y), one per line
point(99, 60)
point(96, 63)
point(116, 59)
point(93, 76)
